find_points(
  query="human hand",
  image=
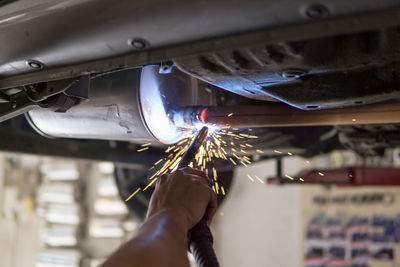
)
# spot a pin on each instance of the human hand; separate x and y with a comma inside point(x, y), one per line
point(186, 195)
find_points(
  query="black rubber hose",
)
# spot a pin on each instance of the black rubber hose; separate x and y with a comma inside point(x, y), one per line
point(201, 245)
point(199, 237)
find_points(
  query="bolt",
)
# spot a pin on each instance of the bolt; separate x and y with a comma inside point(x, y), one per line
point(317, 11)
point(138, 44)
point(34, 64)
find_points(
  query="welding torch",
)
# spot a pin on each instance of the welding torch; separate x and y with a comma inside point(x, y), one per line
point(200, 239)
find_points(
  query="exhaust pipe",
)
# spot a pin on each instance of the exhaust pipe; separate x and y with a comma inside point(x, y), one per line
point(277, 115)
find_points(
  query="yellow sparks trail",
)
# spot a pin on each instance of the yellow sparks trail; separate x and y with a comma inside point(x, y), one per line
point(146, 144)
point(251, 179)
point(143, 149)
point(258, 178)
point(277, 151)
point(134, 193)
point(215, 147)
point(217, 188)
point(152, 182)
point(301, 179)
point(155, 164)
point(321, 174)
point(289, 177)
point(230, 114)
point(223, 190)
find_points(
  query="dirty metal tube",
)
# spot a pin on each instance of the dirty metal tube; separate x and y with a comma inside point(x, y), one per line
point(282, 115)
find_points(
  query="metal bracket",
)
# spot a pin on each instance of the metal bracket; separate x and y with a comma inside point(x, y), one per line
point(58, 95)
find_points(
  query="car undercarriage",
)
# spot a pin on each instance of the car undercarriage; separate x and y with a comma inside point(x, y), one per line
point(106, 76)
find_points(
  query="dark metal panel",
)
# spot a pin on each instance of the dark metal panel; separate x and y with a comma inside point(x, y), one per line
point(64, 34)
point(334, 71)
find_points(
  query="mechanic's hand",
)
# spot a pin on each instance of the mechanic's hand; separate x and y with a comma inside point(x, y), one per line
point(184, 193)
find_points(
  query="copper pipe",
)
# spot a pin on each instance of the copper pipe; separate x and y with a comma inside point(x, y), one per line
point(280, 116)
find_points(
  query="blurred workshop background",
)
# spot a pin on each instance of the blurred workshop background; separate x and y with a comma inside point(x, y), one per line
point(66, 213)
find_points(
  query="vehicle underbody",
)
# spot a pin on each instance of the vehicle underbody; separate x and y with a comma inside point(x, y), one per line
point(307, 72)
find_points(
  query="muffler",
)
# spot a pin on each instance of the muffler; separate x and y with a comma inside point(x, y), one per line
point(132, 105)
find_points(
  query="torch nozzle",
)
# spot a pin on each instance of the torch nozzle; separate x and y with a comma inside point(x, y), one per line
point(194, 147)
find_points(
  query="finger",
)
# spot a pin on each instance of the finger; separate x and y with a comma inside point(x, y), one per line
point(201, 179)
point(193, 171)
point(187, 173)
point(163, 178)
point(211, 208)
point(188, 170)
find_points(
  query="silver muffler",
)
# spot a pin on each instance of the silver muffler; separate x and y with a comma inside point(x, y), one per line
point(135, 105)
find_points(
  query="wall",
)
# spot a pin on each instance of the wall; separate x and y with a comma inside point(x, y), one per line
point(260, 223)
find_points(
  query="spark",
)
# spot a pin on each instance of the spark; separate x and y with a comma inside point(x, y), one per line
point(246, 160)
point(289, 177)
point(321, 174)
point(251, 179)
point(277, 151)
point(217, 187)
point(174, 166)
point(150, 184)
point(258, 178)
point(169, 149)
point(301, 179)
point(215, 173)
point(133, 194)
point(290, 153)
point(146, 144)
point(244, 164)
point(353, 120)
point(230, 114)
point(350, 176)
point(220, 144)
point(143, 149)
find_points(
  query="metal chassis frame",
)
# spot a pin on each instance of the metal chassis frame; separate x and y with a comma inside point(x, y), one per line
point(313, 29)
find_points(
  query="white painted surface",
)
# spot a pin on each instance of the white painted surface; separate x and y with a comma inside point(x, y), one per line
point(260, 225)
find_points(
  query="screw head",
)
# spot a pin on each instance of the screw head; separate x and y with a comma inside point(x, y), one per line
point(34, 64)
point(138, 44)
point(317, 11)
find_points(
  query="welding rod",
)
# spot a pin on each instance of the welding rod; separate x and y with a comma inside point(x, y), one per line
point(200, 239)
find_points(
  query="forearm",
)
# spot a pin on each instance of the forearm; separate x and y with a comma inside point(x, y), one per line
point(161, 241)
